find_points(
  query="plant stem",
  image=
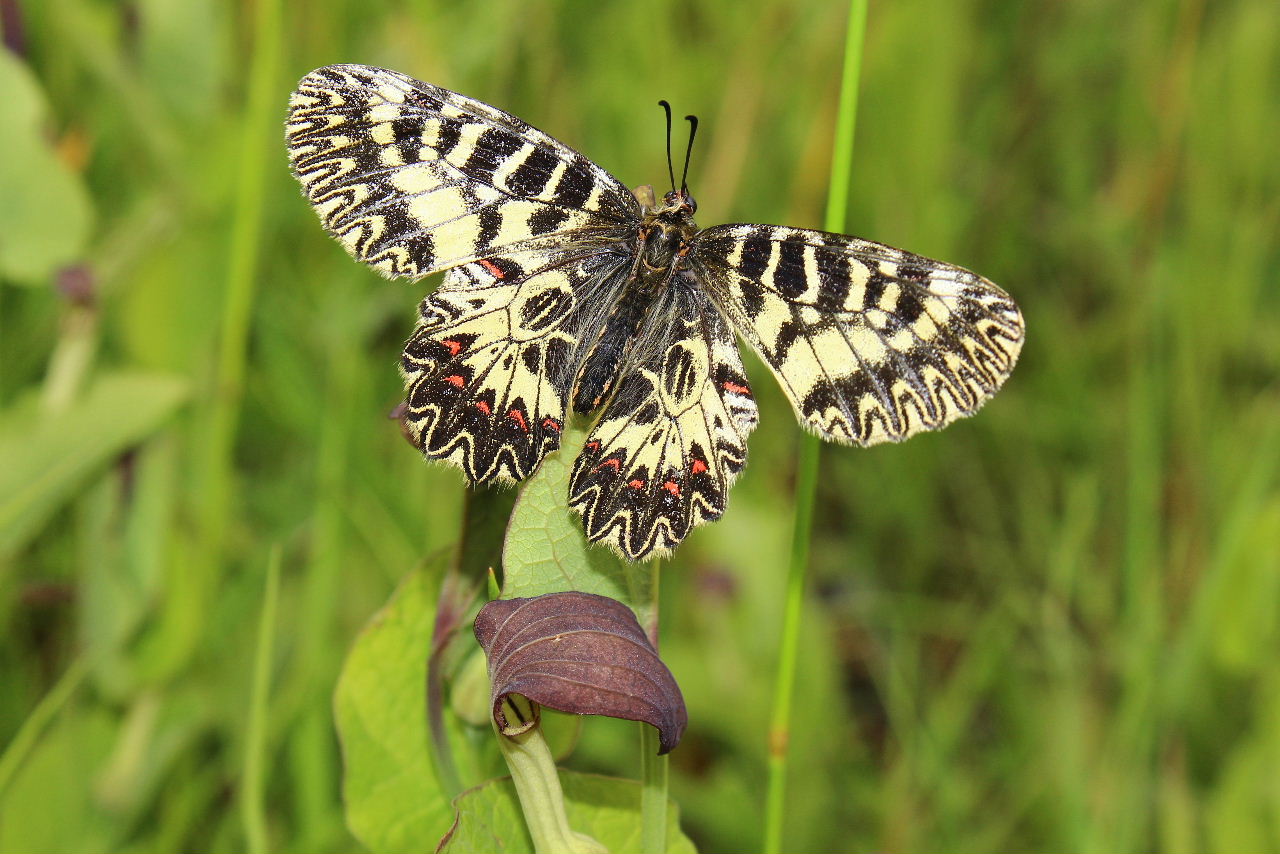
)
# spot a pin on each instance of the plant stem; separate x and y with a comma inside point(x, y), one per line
point(215, 475)
point(653, 793)
point(533, 770)
point(653, 768)
point(253, 806)
point(34, 726)
point(807, 465)
point(72, 357)
point(846, 119)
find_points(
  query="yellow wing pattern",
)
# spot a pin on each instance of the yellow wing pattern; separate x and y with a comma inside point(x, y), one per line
point(870, 343)
point(411, 178)
point(671, 442)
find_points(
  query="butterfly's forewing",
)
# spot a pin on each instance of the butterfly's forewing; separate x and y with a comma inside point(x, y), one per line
point(870, 343)
point(413, 179)
point(673, 438)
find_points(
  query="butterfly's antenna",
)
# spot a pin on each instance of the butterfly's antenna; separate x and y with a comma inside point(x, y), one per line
point(693, 131)
point(670, 169)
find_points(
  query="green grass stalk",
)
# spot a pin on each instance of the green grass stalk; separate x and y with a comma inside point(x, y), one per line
point(253, 803)
point(807, 465)
point(654, 769)
point(36, 723)
point(260, 145)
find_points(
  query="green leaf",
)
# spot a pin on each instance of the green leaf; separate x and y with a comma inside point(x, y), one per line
point(53, 803)
point(604, 808)
point(46, 215)
point(46, 457)
point(546, 551)
point(394, 799)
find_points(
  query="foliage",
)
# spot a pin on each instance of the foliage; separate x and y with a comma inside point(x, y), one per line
point(602, 807)
point(545, 551)
point(395, 800)
point(1048, 627)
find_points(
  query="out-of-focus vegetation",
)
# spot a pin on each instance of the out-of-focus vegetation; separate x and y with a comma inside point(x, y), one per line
point(1050, 627)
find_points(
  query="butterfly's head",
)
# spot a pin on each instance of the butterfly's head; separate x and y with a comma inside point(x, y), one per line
point(678, 206)
point(674, 213)
point(673, 216)
point(679, 202)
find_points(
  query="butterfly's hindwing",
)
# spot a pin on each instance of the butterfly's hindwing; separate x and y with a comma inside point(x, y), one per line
point(870, 343)
point(488, 367)
point(672, 439)
point(412, 179)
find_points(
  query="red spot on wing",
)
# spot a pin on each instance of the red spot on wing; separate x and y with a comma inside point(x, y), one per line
point(636, 484)
point(517, 416)
point(483, 407)
point(616, 465)
point(455, 380)
point(593, 445)
point(699, 467)
point(734, 387)
point(493, 268)
point(454, 346)
point(672, 487)
point(551, 424)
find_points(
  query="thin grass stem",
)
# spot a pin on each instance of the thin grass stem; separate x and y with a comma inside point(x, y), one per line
point(654, 769)
point(807, 465)
point(36, 723)
point(258, 148)
point(253, 809)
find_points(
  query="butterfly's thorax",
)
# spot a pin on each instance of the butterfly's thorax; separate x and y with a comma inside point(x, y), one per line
point(662, 242)
point(666, 234)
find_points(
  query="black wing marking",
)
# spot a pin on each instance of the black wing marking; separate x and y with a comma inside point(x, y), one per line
point(673, 438)
point(413, 179)
point(870, 343)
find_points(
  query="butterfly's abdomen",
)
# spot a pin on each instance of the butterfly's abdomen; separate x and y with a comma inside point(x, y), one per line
point(606, 355)
point(663, 242)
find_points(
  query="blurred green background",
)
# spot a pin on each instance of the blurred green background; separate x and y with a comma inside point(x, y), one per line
point(1051, 627)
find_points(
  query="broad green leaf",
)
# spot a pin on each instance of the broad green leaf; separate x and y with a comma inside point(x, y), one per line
point(546, 551)
point(46, 457)
point(46, 215)
point(604, 808)
point(394, 799)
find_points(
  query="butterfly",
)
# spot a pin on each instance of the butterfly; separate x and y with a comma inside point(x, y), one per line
point(566, 293)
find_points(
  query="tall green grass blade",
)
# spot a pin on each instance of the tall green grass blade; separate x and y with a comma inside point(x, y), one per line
point(260, 145)
point(253, 807)
point(43, 461)
point(32, 728)
point(807, 466)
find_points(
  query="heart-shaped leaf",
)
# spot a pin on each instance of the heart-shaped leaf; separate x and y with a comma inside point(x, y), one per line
point(546, 552)
point(392, 789)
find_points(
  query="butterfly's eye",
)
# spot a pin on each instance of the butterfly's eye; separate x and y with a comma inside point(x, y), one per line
point(692, 205)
